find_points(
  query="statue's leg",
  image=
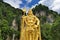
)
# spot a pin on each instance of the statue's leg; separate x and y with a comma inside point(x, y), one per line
point(29, 36)
point(32, 35)
point(36, 35)
point(26, 36)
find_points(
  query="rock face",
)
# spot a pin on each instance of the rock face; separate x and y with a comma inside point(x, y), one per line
point(41, 14)
point(14, 25)
point(8, 38)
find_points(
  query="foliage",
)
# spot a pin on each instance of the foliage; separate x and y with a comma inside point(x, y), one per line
point(55, 30)
point(7, 15)
point(46, 31)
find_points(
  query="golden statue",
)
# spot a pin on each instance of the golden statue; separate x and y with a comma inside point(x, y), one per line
point(30, 27)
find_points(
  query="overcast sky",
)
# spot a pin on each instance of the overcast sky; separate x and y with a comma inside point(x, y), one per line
point(52, 4)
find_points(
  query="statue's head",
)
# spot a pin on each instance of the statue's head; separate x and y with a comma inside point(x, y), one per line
point(30, 12)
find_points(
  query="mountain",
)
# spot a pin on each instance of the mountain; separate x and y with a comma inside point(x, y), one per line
point(10, 22)
point(49, 22)
point(43, 11)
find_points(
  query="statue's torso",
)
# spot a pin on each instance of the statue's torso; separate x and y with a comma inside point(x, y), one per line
point(30, 20)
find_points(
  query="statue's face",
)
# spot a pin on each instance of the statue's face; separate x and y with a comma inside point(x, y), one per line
point(30, 12)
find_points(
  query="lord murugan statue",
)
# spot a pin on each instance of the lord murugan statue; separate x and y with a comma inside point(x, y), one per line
point(30, 27)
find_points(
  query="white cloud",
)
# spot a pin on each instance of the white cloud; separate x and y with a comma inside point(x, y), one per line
point(52, 4)
point(14, 3)
point(56, 6)
point(28, 1)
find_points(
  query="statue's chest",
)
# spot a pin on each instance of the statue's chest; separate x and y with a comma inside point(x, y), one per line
point(30, 20)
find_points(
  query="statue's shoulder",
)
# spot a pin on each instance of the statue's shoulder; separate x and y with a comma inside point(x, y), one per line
point(34, 16)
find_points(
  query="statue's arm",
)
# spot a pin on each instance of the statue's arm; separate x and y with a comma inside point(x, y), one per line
point(38, 21)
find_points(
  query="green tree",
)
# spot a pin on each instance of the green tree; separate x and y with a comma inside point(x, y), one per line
point(55, 30)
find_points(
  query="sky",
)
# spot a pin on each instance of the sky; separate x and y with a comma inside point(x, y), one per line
point(29, 4)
